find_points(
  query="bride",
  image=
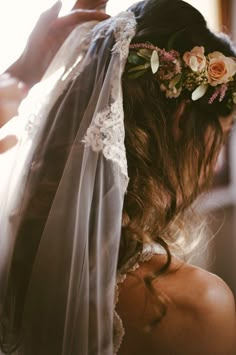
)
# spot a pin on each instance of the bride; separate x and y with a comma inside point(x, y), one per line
point(121, 135)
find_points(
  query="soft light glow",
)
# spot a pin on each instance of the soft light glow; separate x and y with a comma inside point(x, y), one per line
point(116, 6)
point(17, 19)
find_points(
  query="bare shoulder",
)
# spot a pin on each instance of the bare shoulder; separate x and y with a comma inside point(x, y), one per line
point(209, 306)
point(204, 290)
point(200, 312)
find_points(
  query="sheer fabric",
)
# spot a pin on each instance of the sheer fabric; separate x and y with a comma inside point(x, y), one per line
point(61, 209)
point(149, 250)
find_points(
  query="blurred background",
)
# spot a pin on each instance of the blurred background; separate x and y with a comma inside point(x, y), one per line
point(17, 18)
point(218, 255)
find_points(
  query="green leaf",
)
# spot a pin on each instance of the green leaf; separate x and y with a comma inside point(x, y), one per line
point(234, 97)
point(136, 75)
point(139, 67)
point(199, 92)
point(133, 58)
point(175, 81)
point(146, 51)
point(180, 82)
point(147, 59)
point(155, 62)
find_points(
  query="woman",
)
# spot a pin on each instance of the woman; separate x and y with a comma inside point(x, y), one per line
point(117, 148)
point(48, 35)
point(44, 41)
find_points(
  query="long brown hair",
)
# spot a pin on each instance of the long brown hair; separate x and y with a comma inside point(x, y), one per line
point(165, 173)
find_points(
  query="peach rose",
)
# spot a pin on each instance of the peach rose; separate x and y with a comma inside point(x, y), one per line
point(221, 69)
point(195, 59)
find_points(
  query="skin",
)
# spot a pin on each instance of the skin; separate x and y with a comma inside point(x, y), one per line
point(12, 92)
point(48, 35)
point(201, 310)
point(46, 38)
point(201, 315)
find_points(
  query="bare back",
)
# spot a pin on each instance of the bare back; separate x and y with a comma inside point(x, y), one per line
point(200, 312)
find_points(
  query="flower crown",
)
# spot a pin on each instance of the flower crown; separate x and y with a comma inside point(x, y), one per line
point(195, 72)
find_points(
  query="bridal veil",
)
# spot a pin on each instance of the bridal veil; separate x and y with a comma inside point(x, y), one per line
point(61, 207)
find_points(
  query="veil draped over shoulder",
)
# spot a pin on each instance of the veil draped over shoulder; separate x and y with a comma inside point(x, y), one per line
point(61, 208)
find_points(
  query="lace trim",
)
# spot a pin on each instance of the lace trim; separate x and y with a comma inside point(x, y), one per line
point(106, 132)
point(118, 332)
point(124, 32)
point(123, 26)
point(133, 264)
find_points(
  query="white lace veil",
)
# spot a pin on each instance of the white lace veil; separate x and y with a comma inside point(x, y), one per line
point(61, 208)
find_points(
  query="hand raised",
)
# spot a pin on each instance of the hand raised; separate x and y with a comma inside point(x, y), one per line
point(46, 38)
point(12, 92)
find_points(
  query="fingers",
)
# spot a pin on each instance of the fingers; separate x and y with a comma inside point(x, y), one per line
point(12, 92)
point(44, 23)
point(78, 16)
point(7, 143)
point(48, 16)
point(8, 110)
point(55, 7)
point(11, 88)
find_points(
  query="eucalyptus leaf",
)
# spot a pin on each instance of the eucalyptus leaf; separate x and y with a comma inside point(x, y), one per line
point(137, 74)
point(180, 83)
point(175, 80)
point(155, 62)
point(234, 97)
point(139, 67)
point(147, 58)
point(145, 51)
point(134, 59)
point(199, 92)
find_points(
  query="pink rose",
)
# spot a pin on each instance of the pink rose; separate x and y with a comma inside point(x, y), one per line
point(195, 59)
point(221, 69)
